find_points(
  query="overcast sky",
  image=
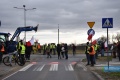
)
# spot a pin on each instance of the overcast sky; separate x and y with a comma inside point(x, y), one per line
point(71, 15)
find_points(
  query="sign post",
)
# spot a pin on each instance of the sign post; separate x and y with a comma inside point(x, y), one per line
point(107, 23)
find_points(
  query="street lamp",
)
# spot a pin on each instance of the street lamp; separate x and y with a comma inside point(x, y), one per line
point(58, 33)
point(25, 16)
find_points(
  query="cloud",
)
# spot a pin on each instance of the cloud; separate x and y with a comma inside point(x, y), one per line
point(71, 15)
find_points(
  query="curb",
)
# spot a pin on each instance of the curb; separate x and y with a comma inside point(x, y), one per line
point(97, 75)
point(94, 73)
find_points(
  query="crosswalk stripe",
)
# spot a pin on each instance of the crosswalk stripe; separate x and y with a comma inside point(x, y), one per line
point(40, 68)
point(54, 67)
point(25, 68)
point(70, 67)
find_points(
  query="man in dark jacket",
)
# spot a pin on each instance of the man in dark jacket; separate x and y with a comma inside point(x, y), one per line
point(11, 50)
point(118, 50)
point(66, 51)
point(74, 49)
point(58, 51)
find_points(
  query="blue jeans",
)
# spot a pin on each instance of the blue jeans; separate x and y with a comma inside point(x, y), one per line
point(94, 59)
point(88, 58)
point(102, 52)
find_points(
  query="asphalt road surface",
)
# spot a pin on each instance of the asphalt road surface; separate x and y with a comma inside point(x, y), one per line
point(43, 68)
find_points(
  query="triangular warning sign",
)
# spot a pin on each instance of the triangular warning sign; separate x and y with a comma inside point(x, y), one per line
point(91, 24)
point(107, 23)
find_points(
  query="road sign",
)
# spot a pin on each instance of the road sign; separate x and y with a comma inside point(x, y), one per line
point(90, 24)
point(91, 31)
point(107, 22)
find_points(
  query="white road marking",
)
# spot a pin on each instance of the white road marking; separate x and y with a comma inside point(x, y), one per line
point(25, 68)
point(101, 65)
point(36, 68)
point(70, 67)
point(114, 63)
point(40, 68)
point(66, 68)
point(53, 67)
point(10, 75)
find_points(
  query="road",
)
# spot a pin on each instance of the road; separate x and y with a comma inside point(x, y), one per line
point(42, 68)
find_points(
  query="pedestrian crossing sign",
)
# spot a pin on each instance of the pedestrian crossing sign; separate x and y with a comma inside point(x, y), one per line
point(107, 22)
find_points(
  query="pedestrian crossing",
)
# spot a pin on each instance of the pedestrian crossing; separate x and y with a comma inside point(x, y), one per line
point(50, 67)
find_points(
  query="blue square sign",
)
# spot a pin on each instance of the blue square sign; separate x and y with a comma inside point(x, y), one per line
point(107, 22)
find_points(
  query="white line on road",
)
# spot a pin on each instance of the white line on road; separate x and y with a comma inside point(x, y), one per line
point(70, 67)
point(25, 68)
point(40, 69)
point(66, 68)
point(54, 67)
point(9, 75)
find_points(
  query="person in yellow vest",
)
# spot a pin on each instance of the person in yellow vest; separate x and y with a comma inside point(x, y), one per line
point(51, 48)
point(22, 53)
point(92, 54)
point(18, 46)
point(39, 47)
point(96, 50)
point(34, 49)
point(87, 53)
point(54, 48)
point(48, 51)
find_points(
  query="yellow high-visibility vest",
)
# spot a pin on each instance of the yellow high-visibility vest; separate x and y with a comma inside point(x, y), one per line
point(23, 49)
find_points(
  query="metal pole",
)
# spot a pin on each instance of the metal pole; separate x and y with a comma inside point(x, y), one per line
point(58, 33)
point(25, 20)
point(24, 16)
point(107, 49)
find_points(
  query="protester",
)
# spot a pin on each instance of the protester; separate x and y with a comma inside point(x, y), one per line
point(102, 49)
point(0, 53)
point(44, 49)
point(39, 48)
point(87, 53)
point(92, 54)
point(114, 50)
point(28, 50)
point(48, 51)
point(73, 49)
point(53, 49)
point(11, 51)
point(118, 50)
point(96, 50)
point(58, 51)
point(22, 53)
point(66, 51)
point(18, 46)
point(62, 50)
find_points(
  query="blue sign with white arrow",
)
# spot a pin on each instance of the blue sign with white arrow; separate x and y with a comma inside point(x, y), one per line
point(107, 22)
point(91, 31)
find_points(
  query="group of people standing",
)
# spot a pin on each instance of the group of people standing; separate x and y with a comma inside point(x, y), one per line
point(61, 49)
point(91, 53)
point(116, 50)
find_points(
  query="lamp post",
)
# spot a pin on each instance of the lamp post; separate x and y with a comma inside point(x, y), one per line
point(58, 33)
point(24, 8)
